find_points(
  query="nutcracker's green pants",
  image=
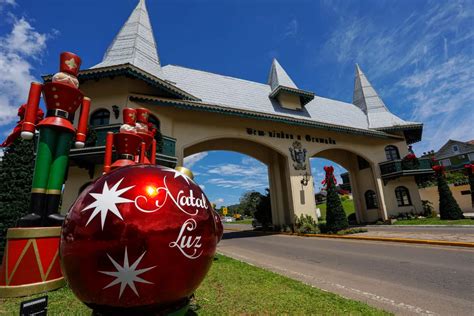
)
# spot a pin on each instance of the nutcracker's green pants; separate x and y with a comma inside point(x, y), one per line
point(51, 164)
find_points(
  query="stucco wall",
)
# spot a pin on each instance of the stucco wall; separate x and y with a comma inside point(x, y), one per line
point(391, 199)
point(289, 101)
point(77, 177)
point(464, 201)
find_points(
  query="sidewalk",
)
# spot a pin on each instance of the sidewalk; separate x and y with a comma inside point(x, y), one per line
point(463, 234)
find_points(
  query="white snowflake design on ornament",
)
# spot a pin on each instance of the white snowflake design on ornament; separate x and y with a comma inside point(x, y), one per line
point(107, 202)
point(178, 174)
point(126, 274)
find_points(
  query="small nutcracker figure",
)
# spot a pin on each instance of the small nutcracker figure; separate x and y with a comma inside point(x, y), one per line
point(126, 143)
point(56, 134)
point(147, 132)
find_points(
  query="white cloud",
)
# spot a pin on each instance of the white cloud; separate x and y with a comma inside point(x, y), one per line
point(4, 3)
point(291, 29)
point(244, 184)
point(17, 49)
point(202, 186)
point(190, 161)
point(429, 52)
point(218, 201)
point(238, 170)
point(250, 174)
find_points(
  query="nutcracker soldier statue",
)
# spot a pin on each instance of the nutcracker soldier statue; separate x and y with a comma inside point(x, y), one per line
point(56, 134)
point(126, 142)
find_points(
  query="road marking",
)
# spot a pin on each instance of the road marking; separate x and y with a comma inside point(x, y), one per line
point(368, 295)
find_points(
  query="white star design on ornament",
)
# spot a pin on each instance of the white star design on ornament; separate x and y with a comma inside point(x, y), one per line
point(178, 174)
point(126, 274)
point(107, 201)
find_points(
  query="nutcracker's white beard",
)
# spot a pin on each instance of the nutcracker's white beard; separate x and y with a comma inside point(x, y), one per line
point(142, 128)
point(66, 78)
point(125, 128)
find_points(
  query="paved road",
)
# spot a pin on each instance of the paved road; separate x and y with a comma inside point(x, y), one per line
point(402, 278)
point(395, 228)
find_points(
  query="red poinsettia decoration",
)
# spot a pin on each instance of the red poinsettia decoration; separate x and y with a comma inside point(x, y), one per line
point(410, 157)
point(329, 175)
point(17, 130)
point(469, 168)
point(438, 169)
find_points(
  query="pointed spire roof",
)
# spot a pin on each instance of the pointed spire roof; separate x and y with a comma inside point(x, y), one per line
point(279, 77)
point(280, 82)
point(134, 44)
point(366, 98)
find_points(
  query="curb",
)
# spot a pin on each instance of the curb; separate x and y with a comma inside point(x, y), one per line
point(388, 239)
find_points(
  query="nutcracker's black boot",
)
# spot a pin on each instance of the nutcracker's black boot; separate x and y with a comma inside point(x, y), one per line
point(52, 218)
point(37, 207)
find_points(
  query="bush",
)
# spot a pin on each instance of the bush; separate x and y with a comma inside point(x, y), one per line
point(335, 216)
point(352, 231)
point(448, 207)
point(352, 219)
point(305, 224)
point(16, 172)
point(427, 208)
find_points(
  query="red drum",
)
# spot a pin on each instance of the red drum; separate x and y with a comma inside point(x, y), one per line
point(31, 262)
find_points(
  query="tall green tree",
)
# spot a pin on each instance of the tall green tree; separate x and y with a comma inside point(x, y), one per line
point(263, 212)
point(249, 202)
point(448, 207)
point(16, 172)
point(336, 219)
point(470, 174)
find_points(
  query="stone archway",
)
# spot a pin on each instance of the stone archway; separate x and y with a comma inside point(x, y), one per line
point(362, 176)
point(276, 162)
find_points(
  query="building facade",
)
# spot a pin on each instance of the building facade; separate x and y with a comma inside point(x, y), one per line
point(455, 154)
point(275, 122)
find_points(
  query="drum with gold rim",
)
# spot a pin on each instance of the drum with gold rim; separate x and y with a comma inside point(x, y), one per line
point(31, 263)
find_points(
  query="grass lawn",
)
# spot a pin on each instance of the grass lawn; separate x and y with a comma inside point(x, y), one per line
point(244, 221)
point(231, 288)
point(347, 204)
point(434, 221)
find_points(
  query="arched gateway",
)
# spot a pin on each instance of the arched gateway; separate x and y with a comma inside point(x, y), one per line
point(275, 122)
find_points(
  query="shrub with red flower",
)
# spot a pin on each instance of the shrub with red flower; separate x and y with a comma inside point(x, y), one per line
point(410, 162)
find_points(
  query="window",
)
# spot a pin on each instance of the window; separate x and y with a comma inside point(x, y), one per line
point(100, 117)
point(403, 196)
point(455, 148)
point(446, 162)
point(391, 152)
point(371, 199)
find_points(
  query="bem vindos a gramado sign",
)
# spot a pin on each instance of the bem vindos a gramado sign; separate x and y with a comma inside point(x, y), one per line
point(283, 135)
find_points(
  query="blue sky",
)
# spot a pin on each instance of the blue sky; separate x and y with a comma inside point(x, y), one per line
point(419, 55)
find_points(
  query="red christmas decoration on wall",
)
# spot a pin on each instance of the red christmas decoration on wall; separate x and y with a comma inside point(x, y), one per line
point(141, 237)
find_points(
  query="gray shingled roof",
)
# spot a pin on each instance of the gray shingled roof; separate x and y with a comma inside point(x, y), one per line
point(134, 44)
point(248, 95)
point(366, 98)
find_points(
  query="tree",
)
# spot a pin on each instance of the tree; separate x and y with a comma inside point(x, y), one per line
point(470, 174)
point(263, 212)
point(448, 207)
point(16, 173)
point(336, 219)
point(249, 202)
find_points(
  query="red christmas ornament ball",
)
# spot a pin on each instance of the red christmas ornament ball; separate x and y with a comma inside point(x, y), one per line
point(140, 237)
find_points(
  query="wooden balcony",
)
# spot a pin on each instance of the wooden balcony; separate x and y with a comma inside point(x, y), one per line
point(93, 153)
point(399, 168)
